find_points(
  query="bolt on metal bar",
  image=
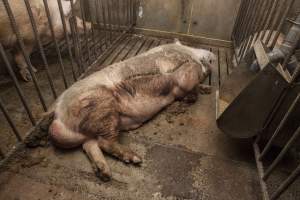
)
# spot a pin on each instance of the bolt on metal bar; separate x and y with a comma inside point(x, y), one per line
point(40, 46)
point(20, 41)
point(17, 86)
point(67, 38)
point(282, 154)
point(271, 15)
point(280, 126)
point(9, 120)
point(287, 10)
point(61, 65)
point(286, 183)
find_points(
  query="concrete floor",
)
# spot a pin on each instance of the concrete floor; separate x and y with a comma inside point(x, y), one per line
point(185, 157)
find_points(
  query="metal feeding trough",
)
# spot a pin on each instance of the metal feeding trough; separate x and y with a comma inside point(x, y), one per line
point(261, 91)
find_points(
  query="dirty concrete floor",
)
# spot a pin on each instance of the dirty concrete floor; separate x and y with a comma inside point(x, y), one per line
point(185, 156)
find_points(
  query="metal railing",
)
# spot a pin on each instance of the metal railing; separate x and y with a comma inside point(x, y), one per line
point(264, 20)
point(259, 20)
point(89, 30)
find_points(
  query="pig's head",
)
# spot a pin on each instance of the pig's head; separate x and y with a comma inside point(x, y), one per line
point(204, 57)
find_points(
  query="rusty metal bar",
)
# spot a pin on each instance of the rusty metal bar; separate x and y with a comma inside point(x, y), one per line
point(92, 29)
point(108, 27)
point(288, 8)
point(118, 15)
point(109, 17)
point(282, 154)
point(98, 20)
point(22, 46)
point(16, 83)
point(239, 18)
point(104, 21)
point(40, 46)
point(61, 65)
point(286, 183)
point(61, 11)
point(280, 126)
point(10, 122)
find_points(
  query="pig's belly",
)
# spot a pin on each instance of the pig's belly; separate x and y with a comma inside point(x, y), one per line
point(137, 110)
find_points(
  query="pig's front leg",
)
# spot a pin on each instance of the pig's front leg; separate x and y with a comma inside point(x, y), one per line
point(22, 65)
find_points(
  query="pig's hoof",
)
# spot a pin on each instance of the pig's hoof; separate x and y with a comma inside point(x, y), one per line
point(131, 157)
point(34, 69)
point(190, 98)
point(25, 75)
point(104, 175)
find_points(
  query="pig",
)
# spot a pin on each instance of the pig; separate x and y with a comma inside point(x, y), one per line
point(8, 38)
point(124, 96)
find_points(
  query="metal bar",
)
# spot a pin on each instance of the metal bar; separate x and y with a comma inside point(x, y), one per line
point(16, 83)
point(67, 38)
point(120, 50)
point(104, 21)
point(40, 46)
point(86, 34)
point(286, 183)
point(280, 126)
point(130, 50)
point(61, 65)
point(92, 30)
point(239, 17)
point(260, 170)
point(245, 23)
point(109, 19)
point(99, 25)
point(288, 8)
point(22, 46)
point(250, 28)
point(118, 15)
point(267, 24)
point(281, 154)
point(9, 120)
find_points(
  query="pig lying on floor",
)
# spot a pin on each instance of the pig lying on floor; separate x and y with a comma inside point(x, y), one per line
point(123, 96)
point(8, 38)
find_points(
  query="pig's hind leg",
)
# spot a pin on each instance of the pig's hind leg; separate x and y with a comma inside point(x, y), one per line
point(97, 159)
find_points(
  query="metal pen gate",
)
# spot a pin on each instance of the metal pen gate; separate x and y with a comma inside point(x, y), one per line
point(110, 22)
point(264, 20)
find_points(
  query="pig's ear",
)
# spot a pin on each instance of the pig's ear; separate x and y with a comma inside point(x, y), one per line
point(176, 41)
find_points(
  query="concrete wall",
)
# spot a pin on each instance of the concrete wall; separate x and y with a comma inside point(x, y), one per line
point(207, 18)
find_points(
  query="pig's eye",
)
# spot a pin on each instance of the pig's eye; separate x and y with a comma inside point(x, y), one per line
point(210, 61)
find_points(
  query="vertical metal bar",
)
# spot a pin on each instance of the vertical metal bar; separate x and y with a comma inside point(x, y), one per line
point(280, 126)
point(86, 34)
point(42, 52)
point(109, 20)
point(286, 183)
point(55, 43)
point(22, 46)
point(246, 22)
point(76, 47)
point(271, 15)
point(16, 83)
point(239, 18)
point(11, 123)
point(92, 30)
point(282, 153)
point(288, 8)
point(127, 13)
point(249, 30)
point(67, 38)
point(99, 24)
point(118, 15)
point(104, 22)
